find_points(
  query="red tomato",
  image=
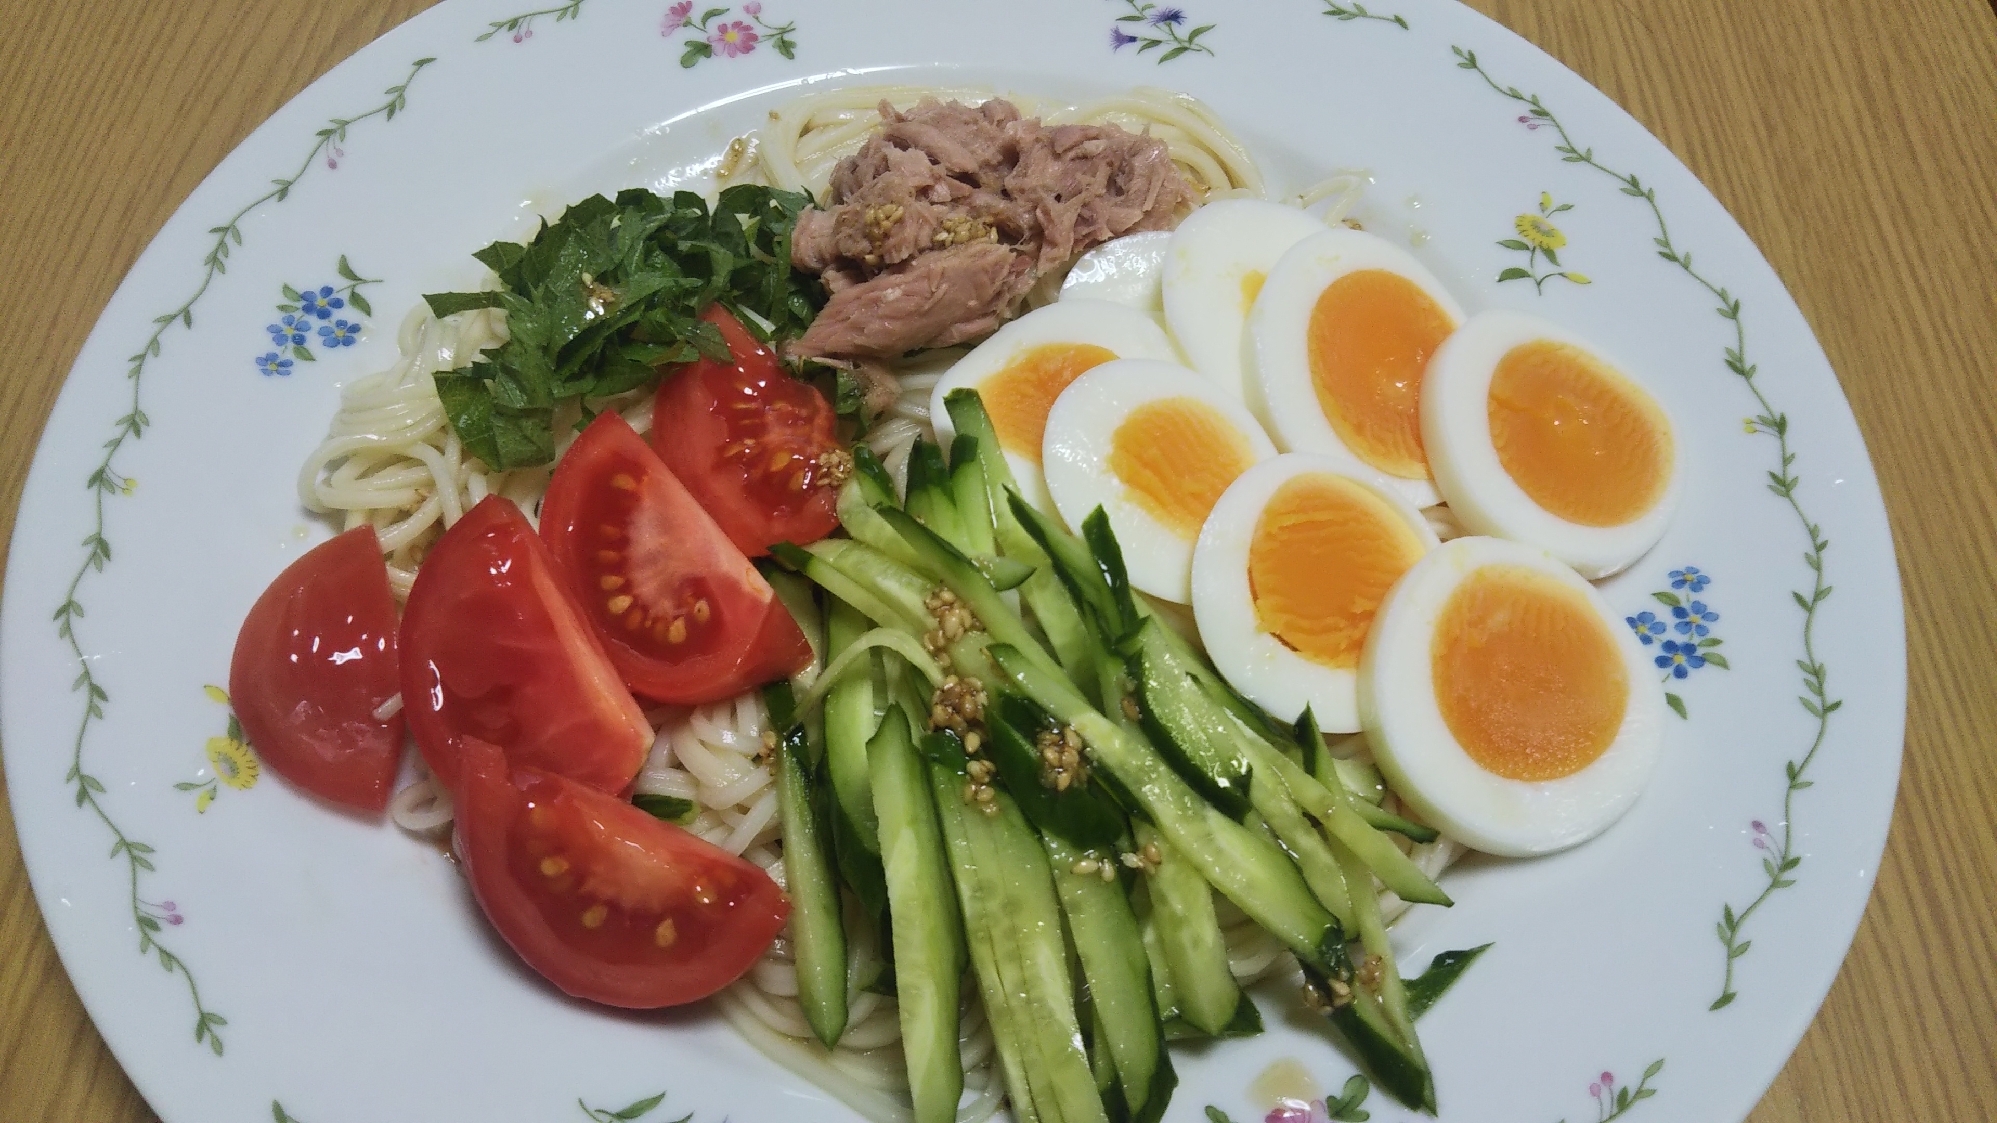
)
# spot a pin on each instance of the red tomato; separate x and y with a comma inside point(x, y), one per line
point(492, 647)
point(746, 440)
point(605, 901)
point(314, 660)
point(685, 617)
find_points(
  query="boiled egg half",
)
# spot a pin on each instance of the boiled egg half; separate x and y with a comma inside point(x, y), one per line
point(1341, 335)
point(1505, 702)
point(1215, 267)
point(1025, 365)
point(1533, 436)
point(1289, 571)
point(1154, 444)
point(1129, 270)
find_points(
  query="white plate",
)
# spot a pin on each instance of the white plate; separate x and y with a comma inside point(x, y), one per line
point(356, 980)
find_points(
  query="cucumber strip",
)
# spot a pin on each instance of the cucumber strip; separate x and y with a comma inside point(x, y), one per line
point(1392, 992)
point(974, 504)
point(1074, 565)
point(1360, 778)
point(1197, 737)
point(1164, 992)
point(981, 938)
point(957, 572)
point(876, 486)
point(1331, 805)
point(818, 938)
point(899, 585)
point(1307, 848)
point(1381, 819)
point(856, 514)
point(1081, 815)
point(828, 577)
point(1189, 934)
point(1013, 923)
point(1360, 1021)
point(1127, 1030)
point(1251, 871)
point(1102, 544)
point(795, 591)
point(1005, 574)
point(899, 642)
point(929, 494)
point(849, 722)
point(928, 937)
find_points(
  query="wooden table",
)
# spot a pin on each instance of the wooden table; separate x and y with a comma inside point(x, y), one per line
point(1856, 140)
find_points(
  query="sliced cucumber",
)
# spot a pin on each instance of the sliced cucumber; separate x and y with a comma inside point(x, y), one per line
point(1332, 806)
point(1127, 1025)
point(957, 573)
point(1189, 935)
point(1082, 815)
point(834, 581)
point(929, 953)
point(930, 500)
point(876, 486)
point(1443, 971)
point(1250, 870)
point(974, 504)
point(1199, 740)
point(901, 586)
point(795, 591)
point(818, 938)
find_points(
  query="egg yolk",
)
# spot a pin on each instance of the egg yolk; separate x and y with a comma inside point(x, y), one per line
point(1324, 554)
point(1580, 439)
point(1371, 333)
point(1018, 397)
point(1176, 455)
point(1527, 676)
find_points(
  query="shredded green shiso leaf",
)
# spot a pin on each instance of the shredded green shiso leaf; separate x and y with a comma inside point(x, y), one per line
point(612, 291)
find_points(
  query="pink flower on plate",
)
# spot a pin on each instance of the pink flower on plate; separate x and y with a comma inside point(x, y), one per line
point(1297, 1111)
point(676, 17)
point(733, 38)
point(752, 9)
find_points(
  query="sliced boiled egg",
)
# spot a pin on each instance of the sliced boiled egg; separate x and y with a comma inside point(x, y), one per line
point(1534, 436)
point(1026, 364)
point(1505, 701)
point(1217, 262)
point(1154, 444)
point(1340, 337)
point(1288, 573)
point(1129, 270)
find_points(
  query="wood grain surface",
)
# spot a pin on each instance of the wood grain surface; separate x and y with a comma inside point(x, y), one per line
point(1856, 140)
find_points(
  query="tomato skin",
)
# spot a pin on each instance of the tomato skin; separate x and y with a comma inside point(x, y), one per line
point(683, 615)
point(605, 901)
point(745, 438)
point(314, 660)
point(493, 647)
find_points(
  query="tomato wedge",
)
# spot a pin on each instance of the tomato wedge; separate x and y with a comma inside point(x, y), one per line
point(747, 440)
point(493, 648)
point(605, 901)
point(684, 616)
point(315, 659)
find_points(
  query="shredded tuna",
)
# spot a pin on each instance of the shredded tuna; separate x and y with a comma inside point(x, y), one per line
point(934, 231)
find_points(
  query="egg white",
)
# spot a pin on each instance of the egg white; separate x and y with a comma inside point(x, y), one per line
point(1210, 254)
point(1430, 769)
point(1456, 428)
point(1081, 430)
point(1255, 662)
point(1129, 270)
point(1284, 393)
point(1124, 331)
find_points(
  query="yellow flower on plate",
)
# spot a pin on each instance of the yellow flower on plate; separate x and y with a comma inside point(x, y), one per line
point(1539, 232)
point(1578, 278)
point(216, 694)
point(235, 763)
point(1545, 201)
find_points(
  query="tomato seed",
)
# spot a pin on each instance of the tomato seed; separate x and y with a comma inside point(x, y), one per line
point(701, 611)
point(622, 481)
point(595, 915)
point(634, 619)
point(618, 604)
point(554, 867)
point(609, 557)
point(610, 532)
point(610, 582)
point(677, 633)
point(665, 935)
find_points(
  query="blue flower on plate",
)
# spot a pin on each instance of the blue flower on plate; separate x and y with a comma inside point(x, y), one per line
point(1167, 15)
point(321, 303)
point(1690, 578)
point(1647, 627)
point(1680, 659)
point(271, 364)
point(340, 333)
point(1118, 39)
point(288, 331)
point(1693, 619)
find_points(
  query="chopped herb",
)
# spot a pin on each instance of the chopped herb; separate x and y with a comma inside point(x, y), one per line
point(672, 809)
point(611, 291)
